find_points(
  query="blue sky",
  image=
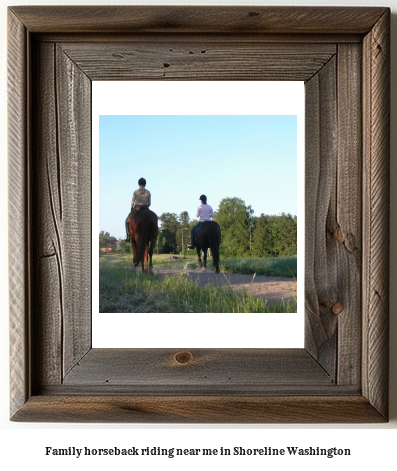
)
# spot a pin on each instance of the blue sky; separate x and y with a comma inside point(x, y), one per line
point(252, 157)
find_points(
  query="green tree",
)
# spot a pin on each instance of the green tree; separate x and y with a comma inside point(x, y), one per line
point(261, 238)
point(186, 236)
point(125, 246)
point(160, 243)
point(236, 221)
point(183, 232)
point(112, 246)
point(169, 227)
point(192, 223)
point(275, 236)
point(104, 238)
point(285, 235)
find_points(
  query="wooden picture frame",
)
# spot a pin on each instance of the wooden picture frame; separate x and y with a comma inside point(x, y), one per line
point(342, 54)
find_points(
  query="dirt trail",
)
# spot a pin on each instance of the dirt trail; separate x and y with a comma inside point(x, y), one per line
point(265, 287)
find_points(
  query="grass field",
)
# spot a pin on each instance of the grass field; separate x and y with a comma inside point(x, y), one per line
point(122, 289)
point(277, 266)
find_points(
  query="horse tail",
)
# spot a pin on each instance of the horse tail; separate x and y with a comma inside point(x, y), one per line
point(142, 240)
point(215, 243)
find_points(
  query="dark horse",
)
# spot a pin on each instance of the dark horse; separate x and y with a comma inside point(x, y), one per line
point(208, 236)
point(143, 231)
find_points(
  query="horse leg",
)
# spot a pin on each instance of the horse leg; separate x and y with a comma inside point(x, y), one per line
point(199, 256)
point(205, 257)
point(152, 244)
point(135, 245)
point(145, 257)
point(134, 252)
point(143, 261)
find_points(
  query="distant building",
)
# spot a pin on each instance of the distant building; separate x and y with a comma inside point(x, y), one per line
point(113, 244)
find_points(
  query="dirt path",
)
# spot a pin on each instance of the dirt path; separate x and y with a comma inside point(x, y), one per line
point(265, 287)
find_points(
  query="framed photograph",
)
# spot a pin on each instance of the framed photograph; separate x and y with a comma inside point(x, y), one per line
point(247, 155)
point(342, 57)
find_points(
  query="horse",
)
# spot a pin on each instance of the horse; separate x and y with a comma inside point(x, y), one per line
point(143, 229)
point(208, 236)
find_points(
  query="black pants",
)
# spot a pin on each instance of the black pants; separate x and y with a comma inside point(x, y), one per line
point(194, 230)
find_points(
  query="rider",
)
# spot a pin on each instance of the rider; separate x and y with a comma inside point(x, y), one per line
point(204, 213)
point(141, 199)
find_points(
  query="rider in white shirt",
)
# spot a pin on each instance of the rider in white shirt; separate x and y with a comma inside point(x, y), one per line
point(204, 213)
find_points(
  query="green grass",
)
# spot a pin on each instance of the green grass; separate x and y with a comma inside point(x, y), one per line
point(122, 289)
point(162, 261)
point(277, 266)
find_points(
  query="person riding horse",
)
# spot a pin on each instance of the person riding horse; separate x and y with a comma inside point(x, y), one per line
point(141, 199)
point(204, 213)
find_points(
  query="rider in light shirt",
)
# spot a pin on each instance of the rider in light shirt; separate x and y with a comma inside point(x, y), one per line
point(204, 213)
point(141, 199)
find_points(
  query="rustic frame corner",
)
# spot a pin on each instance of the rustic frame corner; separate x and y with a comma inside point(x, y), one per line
point(342, 55)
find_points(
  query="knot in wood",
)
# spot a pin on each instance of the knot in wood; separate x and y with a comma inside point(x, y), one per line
point(183, 358)
point(338, 235)
point(337, 308)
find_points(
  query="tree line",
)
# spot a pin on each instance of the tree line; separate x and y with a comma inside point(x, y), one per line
point(243, 234)
point(246, 235)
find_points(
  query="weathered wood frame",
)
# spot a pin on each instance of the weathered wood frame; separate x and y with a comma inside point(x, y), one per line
point(342, 54)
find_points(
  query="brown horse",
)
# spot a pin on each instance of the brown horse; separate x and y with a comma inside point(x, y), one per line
point(143, 231)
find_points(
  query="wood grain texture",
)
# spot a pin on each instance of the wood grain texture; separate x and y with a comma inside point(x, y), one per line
point(227, 369)
point(19, 227)
point(376, 90)
point(341, 376)
point(194, 39)
point(333, 215)
point(198, 409)
point(198, 19)
point(74, 135)
point(62, 256)
point(321, 277)
point(346, 228)
point(201, 60)
point(47, 292)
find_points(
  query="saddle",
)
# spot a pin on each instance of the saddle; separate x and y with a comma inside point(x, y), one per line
point(134, 209)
